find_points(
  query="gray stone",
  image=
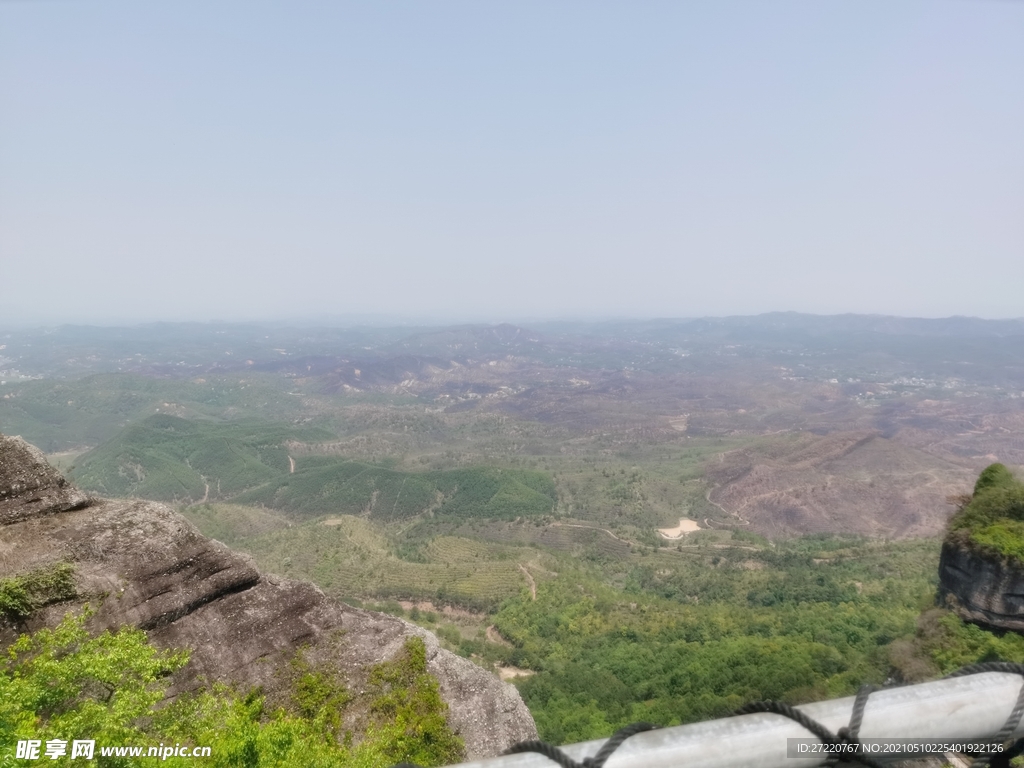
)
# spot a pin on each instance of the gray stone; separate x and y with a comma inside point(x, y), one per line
point(981, 588)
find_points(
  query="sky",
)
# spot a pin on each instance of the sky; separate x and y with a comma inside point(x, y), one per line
point(259, 160)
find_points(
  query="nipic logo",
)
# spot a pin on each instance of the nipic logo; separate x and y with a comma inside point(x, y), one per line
point(29, 749)
point(33, 749)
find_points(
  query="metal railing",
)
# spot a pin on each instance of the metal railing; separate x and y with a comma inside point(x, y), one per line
point(975, 707)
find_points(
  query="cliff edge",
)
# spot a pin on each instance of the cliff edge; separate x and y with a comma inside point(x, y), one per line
point(981, 569)
point(139, 563)
point(982, 587)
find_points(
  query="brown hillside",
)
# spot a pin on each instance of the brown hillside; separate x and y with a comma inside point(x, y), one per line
point(847, 482)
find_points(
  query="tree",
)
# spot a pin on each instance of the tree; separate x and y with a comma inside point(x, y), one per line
point(63, 684)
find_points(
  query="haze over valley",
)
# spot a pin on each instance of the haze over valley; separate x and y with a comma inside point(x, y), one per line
point(784, 424)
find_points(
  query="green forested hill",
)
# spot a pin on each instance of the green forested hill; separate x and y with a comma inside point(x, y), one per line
point(66, 414)
point(169, 458)
point(322, 485)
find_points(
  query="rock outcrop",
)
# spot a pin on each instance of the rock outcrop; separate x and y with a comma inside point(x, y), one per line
point(140, 563)
point(982, 588)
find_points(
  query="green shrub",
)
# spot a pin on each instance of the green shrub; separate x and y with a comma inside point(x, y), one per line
point(993, 520)
point(318, 694)
point(20, 596)
point(1005, 537)
point(411, 718)
point(994, 476)
point(60, 682)
point(63, 684)
point(450, 633)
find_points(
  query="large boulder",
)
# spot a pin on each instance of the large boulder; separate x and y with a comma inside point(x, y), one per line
point(980, 586)
point(139, 563)
point(981, 569)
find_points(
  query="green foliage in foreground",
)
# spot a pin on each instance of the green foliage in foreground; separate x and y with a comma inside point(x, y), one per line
point(993, 520)
point(61, 683)
point(994, 476)
point(958, 643)
point(410, 721)
point(64, 684)
point(943, 643)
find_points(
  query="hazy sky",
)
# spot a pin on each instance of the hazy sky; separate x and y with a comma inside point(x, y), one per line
point(508, 160)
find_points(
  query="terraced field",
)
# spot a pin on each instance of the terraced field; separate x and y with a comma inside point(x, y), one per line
point(577, 538)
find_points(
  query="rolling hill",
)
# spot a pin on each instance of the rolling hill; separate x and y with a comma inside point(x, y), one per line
point(168, 458)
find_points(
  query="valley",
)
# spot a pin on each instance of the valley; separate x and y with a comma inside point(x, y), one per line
point(632, 521)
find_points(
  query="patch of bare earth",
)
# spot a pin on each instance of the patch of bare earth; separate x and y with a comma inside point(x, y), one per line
point(686, 525)
point(510, 673)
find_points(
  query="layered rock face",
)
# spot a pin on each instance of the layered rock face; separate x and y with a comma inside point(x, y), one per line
point(139, 563)
point(986, 590)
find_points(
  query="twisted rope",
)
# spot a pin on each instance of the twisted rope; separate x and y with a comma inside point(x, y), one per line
point(857, 716)
point(812, 725)
point(558, 756)
point(1011, 722)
